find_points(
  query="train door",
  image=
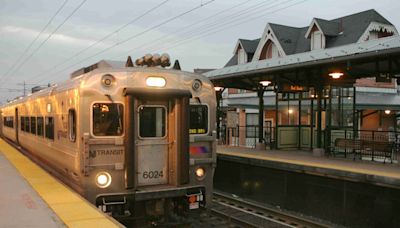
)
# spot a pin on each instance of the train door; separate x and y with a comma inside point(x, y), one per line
point(152, 146)
point(16, 125)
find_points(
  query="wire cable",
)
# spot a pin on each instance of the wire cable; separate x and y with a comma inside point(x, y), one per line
point(102, 39)
point(136, 35)
point(205, 27)
point(36, 38)
point(229, 25)
point(50, 35)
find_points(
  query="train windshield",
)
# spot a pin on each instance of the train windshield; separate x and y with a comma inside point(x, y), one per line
point(107, 119)
point(198, 119)
point(152, 121)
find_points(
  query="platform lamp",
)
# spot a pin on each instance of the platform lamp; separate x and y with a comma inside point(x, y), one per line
point(336, 74)
point(218, 92)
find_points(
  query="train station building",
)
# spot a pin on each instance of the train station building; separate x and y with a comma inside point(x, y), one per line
point(329, 80)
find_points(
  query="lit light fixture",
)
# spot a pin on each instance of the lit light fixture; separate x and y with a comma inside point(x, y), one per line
point(155, 81)
point(103, 179)
point(387, 111)
point(48, 107)
point(290, 111)
point(265, 83)
point(218, 88)
point(200, 173)
point(336, 75)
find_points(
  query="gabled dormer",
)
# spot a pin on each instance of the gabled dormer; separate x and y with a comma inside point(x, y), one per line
point(376, 30)
point(240, 53)
point(319, 31)
point(269, 46)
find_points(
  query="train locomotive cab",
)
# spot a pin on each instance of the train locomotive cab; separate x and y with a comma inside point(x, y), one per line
point(135, 141)
point(149, 147)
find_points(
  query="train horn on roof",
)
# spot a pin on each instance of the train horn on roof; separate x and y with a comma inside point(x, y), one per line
point(153, 60)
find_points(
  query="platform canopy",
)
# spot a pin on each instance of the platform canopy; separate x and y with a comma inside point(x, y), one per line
point(375, 58)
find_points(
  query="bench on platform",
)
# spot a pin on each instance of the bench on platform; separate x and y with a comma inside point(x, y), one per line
point(345, 146)
point(373, 149)
point(382, 149)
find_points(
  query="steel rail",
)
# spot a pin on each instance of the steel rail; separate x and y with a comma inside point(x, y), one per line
point(269, 214)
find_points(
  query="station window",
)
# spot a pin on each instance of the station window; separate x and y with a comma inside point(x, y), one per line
point(40, 126)
point(152, 121)
point(72, 125)
point(251, 125)
point(198, 119)
point(107, 119)
point(33, 125)
point(49, 127)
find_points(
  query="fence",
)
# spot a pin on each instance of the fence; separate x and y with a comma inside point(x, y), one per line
point(372, 145)
point(247, 136)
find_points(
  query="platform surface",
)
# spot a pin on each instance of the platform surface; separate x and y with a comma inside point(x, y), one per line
point(30, 197)
point(301, 161)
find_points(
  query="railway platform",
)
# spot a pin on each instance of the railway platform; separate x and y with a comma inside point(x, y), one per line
point(305, 162)
point(30, 197)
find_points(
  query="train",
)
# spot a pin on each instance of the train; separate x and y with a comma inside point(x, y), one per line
point(135, 140)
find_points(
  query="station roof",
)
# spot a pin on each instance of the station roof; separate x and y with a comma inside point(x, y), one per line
point(364, 100)
point(357, 60)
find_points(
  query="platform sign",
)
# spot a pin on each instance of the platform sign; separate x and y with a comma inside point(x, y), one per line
point(286, 88)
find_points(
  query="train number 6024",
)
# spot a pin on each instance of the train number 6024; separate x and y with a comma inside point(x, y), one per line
point(152, 174)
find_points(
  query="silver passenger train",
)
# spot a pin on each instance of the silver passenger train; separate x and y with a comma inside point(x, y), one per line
point(133, 140)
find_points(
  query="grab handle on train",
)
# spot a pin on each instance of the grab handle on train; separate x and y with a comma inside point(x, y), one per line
point(114, 202)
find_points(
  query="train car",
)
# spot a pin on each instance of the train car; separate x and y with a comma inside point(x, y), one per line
point(133, 140)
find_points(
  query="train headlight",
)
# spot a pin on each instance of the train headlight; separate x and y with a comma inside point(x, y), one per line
point(155, 81)
point(103, 179)
point(200, 173)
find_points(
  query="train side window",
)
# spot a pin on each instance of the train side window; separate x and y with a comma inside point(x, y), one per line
point(27, 124)
point(152, 121)
point(40, 126)
point(49, 127)
point(11, 121)
point(8, 121)
point(33, 125)
point(107, 119)
point(198, 119)
point(72, 125)
point(22, 123)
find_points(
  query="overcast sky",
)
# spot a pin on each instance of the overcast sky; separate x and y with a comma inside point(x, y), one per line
point(202, 38)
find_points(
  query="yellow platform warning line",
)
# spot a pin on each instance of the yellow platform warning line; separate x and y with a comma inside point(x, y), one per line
point(72, 209)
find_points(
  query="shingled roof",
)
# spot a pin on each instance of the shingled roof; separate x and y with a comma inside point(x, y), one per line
point(249, 46)
point(338, 32)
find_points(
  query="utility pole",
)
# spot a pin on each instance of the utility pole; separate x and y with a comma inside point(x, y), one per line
point(23, 84)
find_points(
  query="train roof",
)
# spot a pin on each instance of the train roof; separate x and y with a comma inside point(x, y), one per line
point(106, 66)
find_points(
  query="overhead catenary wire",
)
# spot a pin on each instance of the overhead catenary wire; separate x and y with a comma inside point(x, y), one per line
point(220, 29)
point(102, 39)
point(217, 30)
point(205, 27)
point(49, 36)
point(35, 39)
point(227, 25)
point(136, 35)
point(43, 75)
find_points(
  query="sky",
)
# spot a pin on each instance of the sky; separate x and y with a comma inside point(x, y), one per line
point(199, 33)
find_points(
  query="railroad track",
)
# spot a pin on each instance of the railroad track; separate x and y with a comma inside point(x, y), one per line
point(248, 214)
